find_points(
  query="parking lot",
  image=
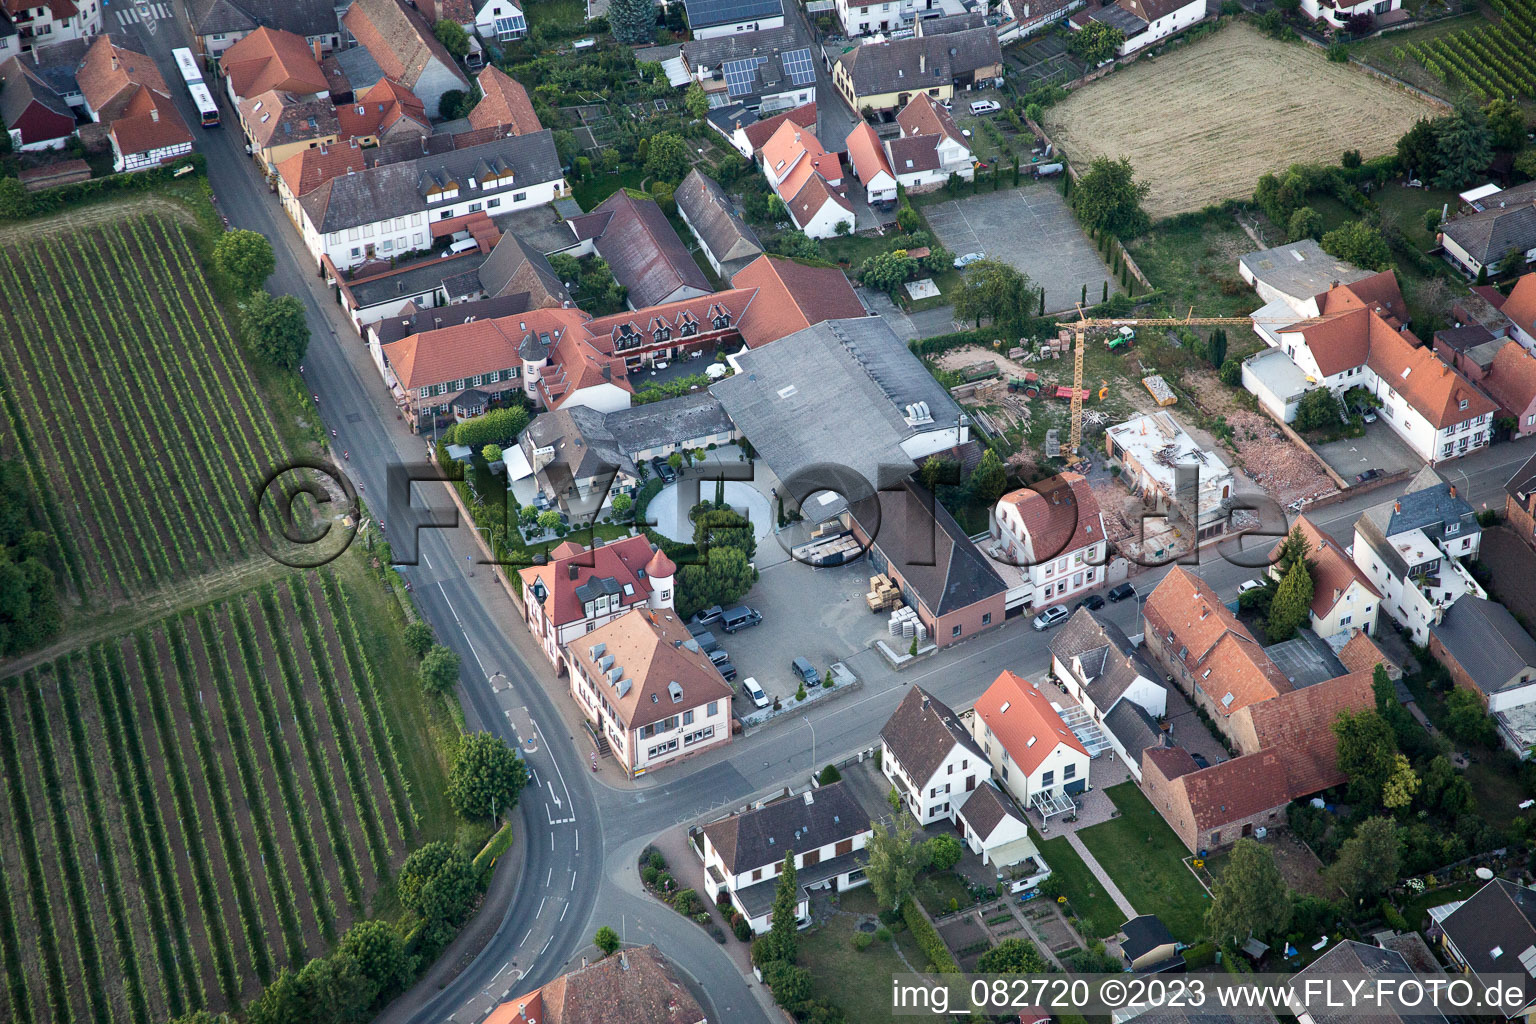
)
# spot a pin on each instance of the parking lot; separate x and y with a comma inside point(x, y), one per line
point(1032, 229)
point(1380, 448)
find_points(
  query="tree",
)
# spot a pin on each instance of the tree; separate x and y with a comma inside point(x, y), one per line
point(1397, 792)
point(675, 460)
point(437, 883)
point(1011, 956)
point(1444, 789)
point(606, 940)
point(936, 470)
point(1292, 604)
point(1305, 222)
point(1318, 410)
point(491, 453)
point(528, 516)
point(1463, 147)
point(1216, 347)
point(790, 985)
point(944, 852)
point(667, 158)
point(829, 774)
point(372, 957)
point(894, 861)
point(695, 101)
point(1506, 124)
point(549, 520)
point(453, 37)
point(995, 291)
point(622, 504)
point(245, 259)
point(487, 777)
point(632, 21)
point(1232, 373)
point(988, 480)
point(907, 219)
point(439, 671)
point(888, 271)
point(1359, 243)
point(1525, 164)
point(275, 328)
point(1108, 198)
point(1292, 550)
point(1418, 151)
point(1369, 860)
point(418, 638)
point(784, 922)
point(1251, 898)
point(1467, 721)
point(1360, 24)
point(1366, 753)
point(1096, 42)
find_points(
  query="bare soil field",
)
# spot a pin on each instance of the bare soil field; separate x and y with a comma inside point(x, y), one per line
point(1201, 124)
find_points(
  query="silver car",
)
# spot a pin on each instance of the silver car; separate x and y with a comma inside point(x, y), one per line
point(1052, 616)
point(961, 262)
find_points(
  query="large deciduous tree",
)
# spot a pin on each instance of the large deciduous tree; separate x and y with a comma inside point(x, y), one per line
point(1108, 198)
point(275, 328)
point(888, 271)
point(245, 259)
point(1368, 861)
point(486, 778)
point(453, 37)
point(1251, 898)
point(632, 21)
point(1359, 243)
point(667, 157)
point(894, 861)
point(439, 671)
point(1096, 42)
point(1367, 753)
point(993, 290)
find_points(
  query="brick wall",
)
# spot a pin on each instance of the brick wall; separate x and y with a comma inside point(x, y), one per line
point(1459, 675)
point(1521, 519)
point(1169, 799)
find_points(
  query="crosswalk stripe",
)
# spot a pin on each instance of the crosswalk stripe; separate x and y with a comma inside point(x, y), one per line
point(164, 11)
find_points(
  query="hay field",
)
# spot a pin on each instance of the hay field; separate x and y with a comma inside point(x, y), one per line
point(1201, 124)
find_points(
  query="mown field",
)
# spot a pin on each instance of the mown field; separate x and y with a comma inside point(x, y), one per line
point(222, 762)
point(127, 396)
point(1201, 124)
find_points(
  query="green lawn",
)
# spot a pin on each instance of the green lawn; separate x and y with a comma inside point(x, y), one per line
point(1416, 909)
point(1146, 860)
point(1087, 898)
point(558, 18)
point(1195, 267)
point(858, 982)
point(595, 189)
point(936, 889)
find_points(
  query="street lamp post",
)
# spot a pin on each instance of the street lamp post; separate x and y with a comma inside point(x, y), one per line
point(807, 720)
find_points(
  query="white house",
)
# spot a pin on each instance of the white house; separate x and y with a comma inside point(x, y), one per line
point(47, 23)
point(579, 590)
point(1053, 533)
point(930, 758)
point(930, 148)
point(1501, 227)
point(860, 18)
point(870, 164)
point(650, 693)
point(825, 829)
point(1336, 12)
point(708, 19)
point(390, 210)
point(806, 177)
point(1411, 550)
point(1343, 597)
point(1035, 757)
point(500, 20)
point(990, 828)
point(1144, 22)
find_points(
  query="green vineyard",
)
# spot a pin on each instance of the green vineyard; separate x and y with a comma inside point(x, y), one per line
point(195, 806)
point(1491, 61)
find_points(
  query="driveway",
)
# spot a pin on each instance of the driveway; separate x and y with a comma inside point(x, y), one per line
point(1031, 228)
point(1380, 448)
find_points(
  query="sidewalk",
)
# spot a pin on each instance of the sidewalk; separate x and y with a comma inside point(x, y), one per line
point(1102, 875)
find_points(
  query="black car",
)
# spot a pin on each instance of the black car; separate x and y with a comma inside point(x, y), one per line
point(726, 670)
point(1200, 761)
point(1367, 476)
point(664, 469)
point(1092, 602)
point(1121, 592)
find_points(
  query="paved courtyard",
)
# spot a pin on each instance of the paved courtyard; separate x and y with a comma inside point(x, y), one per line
point(1031, 228)
point(1380, 448)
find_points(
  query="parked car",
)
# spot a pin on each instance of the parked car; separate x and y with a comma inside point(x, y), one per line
point(727, 670)
point(1200, 760)
point(706, 641)
point(739, 618)
point(806, 671)
point(985, 107)
point(696, 628)
point(664, 469)
point(1092, 602)
point(1247, 585)
point(1055, 615)
point(1367, 476)
point(1121, 592)
point(718, 655)
point(1367, 414)
point(709, 616)
point(961, 262)
point(754, 692)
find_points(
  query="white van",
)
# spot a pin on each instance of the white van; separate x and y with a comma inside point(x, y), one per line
point(463, 245)
point(985, 107)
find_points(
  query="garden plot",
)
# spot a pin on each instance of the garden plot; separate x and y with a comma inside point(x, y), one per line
point(1201, 124)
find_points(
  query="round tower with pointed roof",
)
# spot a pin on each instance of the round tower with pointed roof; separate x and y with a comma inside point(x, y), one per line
point(661, 572)
point(534, 352)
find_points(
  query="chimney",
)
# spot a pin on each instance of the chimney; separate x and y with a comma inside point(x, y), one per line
point(623, 961)
point(1335, 595)
point(1452, 489)
point(573, 569)
point(317, 51)
point(922, 63)
point(1397, 506)
point(154, 114)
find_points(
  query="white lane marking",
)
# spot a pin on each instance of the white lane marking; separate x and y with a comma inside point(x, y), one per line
point(552, 796)
point(578, 840)
point(563, 910)
point(541, 907)
point(551, 840)
point(573, 881)
point(462, 631)
point(549, 878)
point(546, 746)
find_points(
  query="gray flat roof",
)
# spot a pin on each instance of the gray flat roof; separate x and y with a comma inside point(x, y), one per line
point(1279, 373)
point(1300, 268)
point(1306, 659)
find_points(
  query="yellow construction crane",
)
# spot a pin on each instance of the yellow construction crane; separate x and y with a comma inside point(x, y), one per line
point(1084, 324)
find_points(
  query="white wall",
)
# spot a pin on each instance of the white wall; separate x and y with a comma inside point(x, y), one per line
point(859, 19)
point(930, 442)
point(1164, 27)
point(1355, 609)
point(881, 188)
point(1517, 697)
point(602, 397)
point(146, 161)
point(1021, 786)
point(756, 25)
point(940, 796)
point(824, 223)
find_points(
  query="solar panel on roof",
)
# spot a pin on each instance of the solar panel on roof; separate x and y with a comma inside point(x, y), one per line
point(741, 75)
point(702, 13)
point(799, 66)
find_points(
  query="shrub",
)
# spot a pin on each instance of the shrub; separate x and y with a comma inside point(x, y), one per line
point(862, 940)
point(657, 861)
point(928, 939)
point(687, 902)
point(1232, 373)
point(648, 875)
point(882, 934)
point(829, 775)
point(743, 929)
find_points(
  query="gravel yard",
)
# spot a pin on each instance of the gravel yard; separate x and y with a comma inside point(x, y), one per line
point(1203, 123)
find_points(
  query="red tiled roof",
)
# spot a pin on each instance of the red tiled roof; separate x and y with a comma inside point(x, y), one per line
point(466, 349)
point(1521, 304)
point(108, 69)
point(1299, 726)
point(159, 126)
point(867, 153)
point(633, 987)
point(1215, 648)
point(759, 132)
point(925, 115)
point(308, 169)
point(815, 194)
point(1236, 789)
point(623, 560)
point(270, 58)
point(1511, 380)
point(1337, 341)
point(646, 644)
point(379, 109)
point(504, 102)
point(1024, 722)
point(1060, 514)
point(700, 309)
point(1360, 653)
point(1436, 391)
point(1332, 570)
point(792, 296)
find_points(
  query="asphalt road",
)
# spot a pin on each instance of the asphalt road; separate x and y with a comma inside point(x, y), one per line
point(583, 836)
